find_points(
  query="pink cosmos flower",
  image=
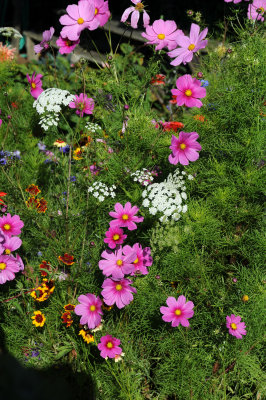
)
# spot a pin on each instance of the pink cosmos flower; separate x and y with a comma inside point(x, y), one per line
point(125, 216)
point(116, 264)
point(8, 267)
point(35, 84)
point(188, 91)
point(234, 1)
point(11, 225)
point(139, 8)
point(117, 292)
point(1, 122)
point(143, 259)
point(114, 236)
point(78, 17)
point(19, 261)
point(185, 148)
point(101, 10)
point(163, 33)
point(178, 311)
point(188, 45)
point(108, 346)
point(10, 244)
point(44, 45)
point(257, 9)
point(236, 328)
point(89, 309)
point(65, 45)
point(83, 104)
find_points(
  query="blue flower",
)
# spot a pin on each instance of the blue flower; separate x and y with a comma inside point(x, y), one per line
point(204, 83)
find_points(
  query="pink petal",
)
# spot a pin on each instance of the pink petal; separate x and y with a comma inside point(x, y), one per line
point(191, 154)
point(171, 301)
point(73, 12)
point(194, 33)
point(126, 13)
point(134, 19)
point(146, 19)
point(158, 26)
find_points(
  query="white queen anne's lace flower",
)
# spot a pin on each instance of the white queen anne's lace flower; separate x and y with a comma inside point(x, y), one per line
point(167, 197)
point(100, 190)
point(49, 104)
point(143, 176)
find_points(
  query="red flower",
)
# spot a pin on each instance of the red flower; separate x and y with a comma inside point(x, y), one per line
point(173, 101)
point(33, 190)
point(172, 126)
point(67, 259)
point(159, 80)
point(200, 118)
point(42, 205)
point(1, 195)
point(14, 105)
point(44, 265)
point(69, 307)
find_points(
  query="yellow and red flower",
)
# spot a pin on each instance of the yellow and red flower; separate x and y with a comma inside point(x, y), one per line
point(2, 194)
point(40, 294)
point(60, 143)
point(33, 190)
point(32, 203)
point(42, 205)
point(67, 319)
point(67, 259)
point(200, 118)
point(69, 307)
point(38, 318)
point(87, 336)
point(44, 265)
point(48, 286)
point(77, 154)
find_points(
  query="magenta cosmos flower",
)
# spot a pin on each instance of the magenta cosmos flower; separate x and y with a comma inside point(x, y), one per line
point(188, 91)
point(125, 216)
point(83, 104)
point(45, 43)
point(8, 267)
point(101, 10)
point(257, 9)
point(143, 259)
point(108, 346)
point(65, 45)
point(11, 226)
point(116, 264)
point(178, 311)
point(163, 34)
point(184, 148)
point(114, 236)
point(10, 244)
point(236, 328)
point(139, 8)
point(188, 45)
point(117, 292)
point(78, 17)
point(35, 84)
point(89, 309)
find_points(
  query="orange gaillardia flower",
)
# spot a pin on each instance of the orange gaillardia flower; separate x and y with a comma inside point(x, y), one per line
point(32, 203)
point(33, 190)
point(200, 118)
point(38, 319)
point(67, 319)
point(60, 143)
point(1, 195)
point(48, 286)
point(40, 294)
point(42, 205)
point(77, 154)
point(159, 80)
point(67, 259)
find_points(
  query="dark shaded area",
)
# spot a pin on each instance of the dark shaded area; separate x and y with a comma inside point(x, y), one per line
point(21, 383)
point(39, 14)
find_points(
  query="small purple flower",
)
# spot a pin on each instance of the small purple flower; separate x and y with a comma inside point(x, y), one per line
point(35, 353)
point(41, 146)
point(73, 179)
point(45, 43)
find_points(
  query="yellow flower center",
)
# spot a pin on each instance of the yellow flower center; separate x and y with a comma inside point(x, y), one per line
point(96, 11)
point(109, 345)
point(7, 227)
point(233, 326)
point(92, 308)
point(2, 266)
point(33, 85)
point(161, 36)
point(191, 47)
point(177, 312)
point(188, 92)
point(260, 10)
point(118, 287)
point(125, 217)
point(119, 262)
point(139, 7)
point(7, 251)
point(80, 21)
point(182, 146)
point(116, 237)
point(136, 261)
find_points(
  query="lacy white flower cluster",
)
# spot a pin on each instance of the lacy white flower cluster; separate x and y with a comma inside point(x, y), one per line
point(100, 190)
point(167, 197)
point(143, 176)
point(92, 127)
point(49, 105)
point(8, 31)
